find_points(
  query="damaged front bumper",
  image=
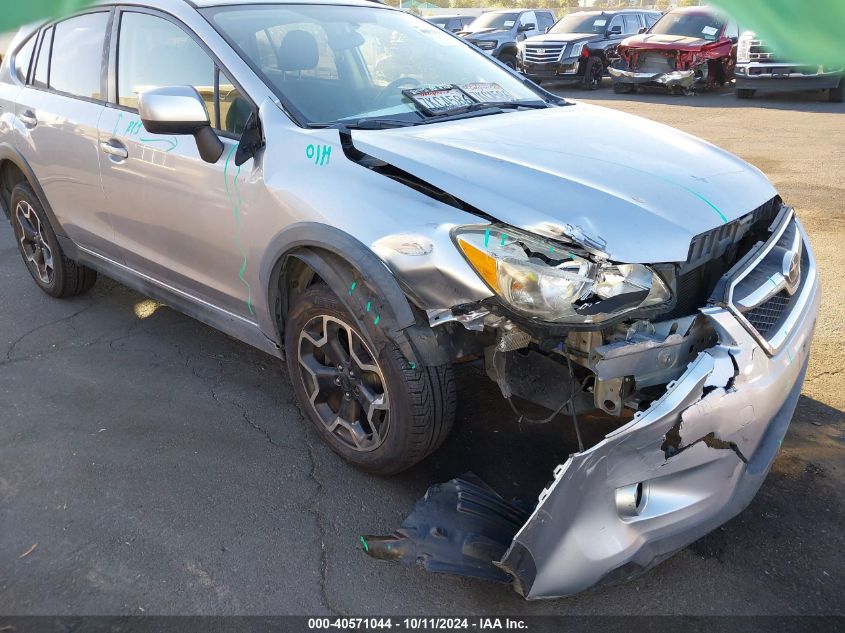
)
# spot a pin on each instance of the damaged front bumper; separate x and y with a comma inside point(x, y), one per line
point(673, 79)
point(678, 470)
point(693, 459)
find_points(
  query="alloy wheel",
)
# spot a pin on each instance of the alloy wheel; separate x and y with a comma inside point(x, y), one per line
point(596, 74)
point(344, 383)
point(36, 250)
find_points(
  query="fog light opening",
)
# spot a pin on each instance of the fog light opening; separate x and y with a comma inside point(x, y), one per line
point(630, 500)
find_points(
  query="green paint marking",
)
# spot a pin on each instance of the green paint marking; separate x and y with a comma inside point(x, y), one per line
point(413, 365)
point(389, 546)
point(133, 128)
point(236, 201)
point(369, 306)
point(652, 175)
point(774, 283)
point(551, 249)
point(174, 143)
point(487, 238)
point(376, 320)
point(789, 356)
point(504, 237)
point(571, 256)
point(364, 543)
point(117, 123)
point(352, 287)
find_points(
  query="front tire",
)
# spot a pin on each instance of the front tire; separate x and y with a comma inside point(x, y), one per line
point(509, 61)
point(51, 269)
point(593, 74)
point(371, 407)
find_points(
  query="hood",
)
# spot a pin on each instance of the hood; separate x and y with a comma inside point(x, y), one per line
point(560, 38)
point(668, 42)
point(483, 32)
point(641, 189)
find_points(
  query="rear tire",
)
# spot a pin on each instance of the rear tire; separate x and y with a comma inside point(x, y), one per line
point(745, 93)
point(336, 391)
point(835, 95)
point(593, 74)
point(51, 269)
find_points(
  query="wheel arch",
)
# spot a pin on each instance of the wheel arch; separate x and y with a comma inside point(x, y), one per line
point(14, 169)
point(309, 251)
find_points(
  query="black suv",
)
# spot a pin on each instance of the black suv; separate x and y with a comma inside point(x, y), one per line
point(581, 45)
point(451, 23)
point(497, 32)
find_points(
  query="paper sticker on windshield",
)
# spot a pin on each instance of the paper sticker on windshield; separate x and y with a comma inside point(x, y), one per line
point(436, 99)
point(508, 23)
point(599, 22)
point(709, 30)
point(487, 92)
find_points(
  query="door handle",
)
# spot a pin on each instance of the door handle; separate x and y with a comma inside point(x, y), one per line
point(113, 149)
point(28, 118)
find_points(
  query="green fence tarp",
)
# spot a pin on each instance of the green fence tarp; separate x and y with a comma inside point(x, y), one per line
point(807, 31)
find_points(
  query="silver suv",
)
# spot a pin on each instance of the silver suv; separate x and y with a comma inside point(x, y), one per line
point(354, 190)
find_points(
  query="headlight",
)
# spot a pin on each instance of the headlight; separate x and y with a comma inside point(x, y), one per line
point(544, 280)
point(576, 50)
point(743, 50)
point(487, 45)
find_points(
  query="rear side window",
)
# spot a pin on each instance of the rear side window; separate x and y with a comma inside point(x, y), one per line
point(42, 68)
point(23, 58)
point(77, 59)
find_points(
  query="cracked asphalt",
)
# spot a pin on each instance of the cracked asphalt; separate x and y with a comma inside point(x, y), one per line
point(155, 466)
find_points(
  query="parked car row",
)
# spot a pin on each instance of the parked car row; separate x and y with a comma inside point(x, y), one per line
point(679, 51)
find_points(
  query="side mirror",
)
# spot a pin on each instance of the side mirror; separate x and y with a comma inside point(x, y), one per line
point(180, 110)
point(527, 27)
point(615, 30)
point(642, 30)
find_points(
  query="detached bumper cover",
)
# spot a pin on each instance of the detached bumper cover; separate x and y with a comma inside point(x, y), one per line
point(676, 78)
point(695, 459)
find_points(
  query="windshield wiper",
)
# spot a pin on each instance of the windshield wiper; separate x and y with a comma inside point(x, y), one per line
point(495, 106)
point(374, 123)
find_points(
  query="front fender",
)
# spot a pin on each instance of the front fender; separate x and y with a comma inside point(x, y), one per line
point(361, 280)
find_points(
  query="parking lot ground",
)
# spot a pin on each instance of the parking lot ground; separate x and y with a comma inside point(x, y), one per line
point(151, 465)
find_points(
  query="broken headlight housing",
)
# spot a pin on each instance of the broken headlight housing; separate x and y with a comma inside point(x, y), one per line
point(551, 282)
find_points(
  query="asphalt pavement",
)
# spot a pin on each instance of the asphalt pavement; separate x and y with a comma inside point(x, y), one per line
point(151, 465)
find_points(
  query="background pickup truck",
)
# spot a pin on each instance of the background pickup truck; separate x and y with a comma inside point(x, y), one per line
point(760, 68)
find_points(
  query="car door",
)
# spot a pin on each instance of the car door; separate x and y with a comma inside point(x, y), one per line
point(57, 115)
point(177, 219)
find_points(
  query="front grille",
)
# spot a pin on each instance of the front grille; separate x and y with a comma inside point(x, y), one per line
point(759, 52)
point(767, 316)
point(542, 54)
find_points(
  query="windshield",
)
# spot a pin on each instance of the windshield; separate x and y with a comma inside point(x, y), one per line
point(332, 63)
point(581, 23)
point(496, 21)
point(699, 25)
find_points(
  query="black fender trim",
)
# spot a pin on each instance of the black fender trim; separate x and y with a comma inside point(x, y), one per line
point(360, 280)
point(10, 153)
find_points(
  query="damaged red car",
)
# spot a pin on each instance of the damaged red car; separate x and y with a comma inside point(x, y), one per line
point(687, 47)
